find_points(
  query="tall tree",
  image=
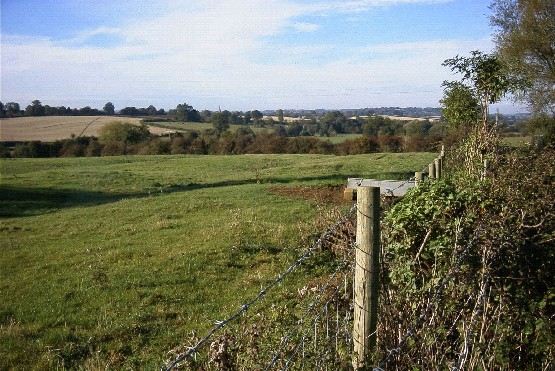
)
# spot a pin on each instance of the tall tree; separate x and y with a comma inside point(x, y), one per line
point(35, 109)
point(109, 109)
point(257, 116)
point(280, 116)
point(185, 112)
point(151, 110)
point(220, 121)
point(484, 76)
point(247, 118)
point(12, 109)
point(525, 40)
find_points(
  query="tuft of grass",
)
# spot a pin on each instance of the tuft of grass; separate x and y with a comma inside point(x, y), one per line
point(113, 261)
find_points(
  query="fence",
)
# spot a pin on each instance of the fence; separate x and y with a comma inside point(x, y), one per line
point(320, 335)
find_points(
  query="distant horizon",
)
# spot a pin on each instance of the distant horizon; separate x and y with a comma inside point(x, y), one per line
point(503, 108)
point(240, 56)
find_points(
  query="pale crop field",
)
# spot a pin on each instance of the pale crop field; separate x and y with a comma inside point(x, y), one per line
point(51, 128)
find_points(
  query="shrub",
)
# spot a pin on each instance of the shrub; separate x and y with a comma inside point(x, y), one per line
point(475, 259)
point(113, 149)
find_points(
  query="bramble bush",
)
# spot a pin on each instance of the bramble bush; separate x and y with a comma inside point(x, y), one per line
point(475, 256)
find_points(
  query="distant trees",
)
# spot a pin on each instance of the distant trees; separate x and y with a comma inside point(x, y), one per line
point(417, 128)
point(129, 111)
point(12, 109)
point(380, 125)
point(34, 109)
point(280, 116)
point(186, 113)
point(109, 109)
point(151, 110)
point(220, 121)
point(256, 116)
point(333, 122)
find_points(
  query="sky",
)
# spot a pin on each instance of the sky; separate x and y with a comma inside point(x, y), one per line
point(236, 54)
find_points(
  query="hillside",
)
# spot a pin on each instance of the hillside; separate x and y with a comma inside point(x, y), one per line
point(113, 261)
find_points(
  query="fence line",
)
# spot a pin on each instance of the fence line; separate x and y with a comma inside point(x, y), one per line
point(311, 308)
point(262, 293)
point(296, 350)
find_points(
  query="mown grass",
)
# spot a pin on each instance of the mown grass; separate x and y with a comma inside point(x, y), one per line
point(516, 141)
point(340, 138)
point(199, 126)
point(113, 261)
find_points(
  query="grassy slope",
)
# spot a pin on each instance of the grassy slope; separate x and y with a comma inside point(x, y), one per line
point(116, 260)
point(199, 126)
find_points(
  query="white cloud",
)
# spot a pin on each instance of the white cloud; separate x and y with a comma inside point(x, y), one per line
point(357, 6)
point(219, 52)
point(305, 27)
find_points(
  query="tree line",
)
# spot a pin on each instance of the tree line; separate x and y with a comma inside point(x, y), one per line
point(120, 138)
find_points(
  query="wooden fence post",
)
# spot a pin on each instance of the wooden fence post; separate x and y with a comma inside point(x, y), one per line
point(366, 274)
point(431, 171)
point(438, 164)
point(418, 178)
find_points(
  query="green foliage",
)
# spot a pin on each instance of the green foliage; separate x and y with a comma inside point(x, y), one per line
point(220, 121)
point(109, 108)
point(460, 107)
point(525, 41)
point(543, 126)
point(484, 76)
point(185, 112)
point(489, 245)
point(123, 132)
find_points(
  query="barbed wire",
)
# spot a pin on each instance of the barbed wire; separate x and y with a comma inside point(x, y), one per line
point(309, 310)
point(309, 328)
point(390, 191)
point(324, 235)
point(262, 293)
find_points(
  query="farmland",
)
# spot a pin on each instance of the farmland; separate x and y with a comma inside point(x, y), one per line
point(112, 261)
point(51, 128)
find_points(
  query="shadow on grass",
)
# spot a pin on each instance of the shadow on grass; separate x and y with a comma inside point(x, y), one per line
point(29, 201)
point(18, 201)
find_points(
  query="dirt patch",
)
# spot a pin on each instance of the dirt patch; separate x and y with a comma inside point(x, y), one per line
point(330, 194)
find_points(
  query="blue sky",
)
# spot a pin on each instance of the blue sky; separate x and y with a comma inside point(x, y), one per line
point(237, 55)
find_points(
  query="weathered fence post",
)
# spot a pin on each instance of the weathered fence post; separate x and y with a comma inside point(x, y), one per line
point(418, 178)
point(431, 171)
point(366, 274)
point(438, 164)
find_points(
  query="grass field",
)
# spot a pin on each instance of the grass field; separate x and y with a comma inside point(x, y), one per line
point(113, 261)
point(198, 126)
point(52, 128)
